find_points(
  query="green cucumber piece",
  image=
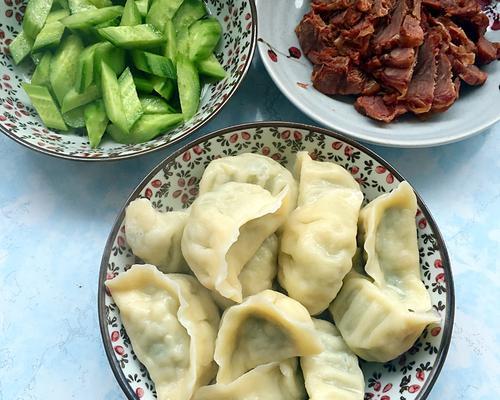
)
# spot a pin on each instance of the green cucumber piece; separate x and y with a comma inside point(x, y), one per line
point(112, 56)
point(63, 4)
point(164, 87)
point(132, 37)
point(85, 70)
point(96, 121)
point(188, 83)
point(111, 97)
point(45, 106)
point(101, 3)
point(89, 18)
point(146, 128)
point(170, 49)
point(143, 85)
point(49, 36)
point(56, 15)
point(153, 64)
point(64, 65)
point(75, 118)
point(20, 47)
point(41, 76)
point(130, 100)
point(112, 22)
point(204, 35)
point(189, 12)
point(35, 15)
point(161, 10)
point(73, 99)
point(76, 6)
point(36, 57)
point(143, 7)
point(211, 67)
point(155, 105)
point(131, 15)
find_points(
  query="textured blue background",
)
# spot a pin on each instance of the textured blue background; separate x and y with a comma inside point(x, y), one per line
point(55, 216)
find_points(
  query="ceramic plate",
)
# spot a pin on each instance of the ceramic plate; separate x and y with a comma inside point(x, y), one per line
point(20, 121)
point(173, 185)
point(477, 108)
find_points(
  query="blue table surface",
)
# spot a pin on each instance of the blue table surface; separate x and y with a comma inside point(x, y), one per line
point(55, 216)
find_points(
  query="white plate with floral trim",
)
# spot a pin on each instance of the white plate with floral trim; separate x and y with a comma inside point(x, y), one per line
point(477, 108)
point(19, 120)
point(173, 185)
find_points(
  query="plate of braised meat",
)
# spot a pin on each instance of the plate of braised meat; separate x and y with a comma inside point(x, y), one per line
point(408, 73)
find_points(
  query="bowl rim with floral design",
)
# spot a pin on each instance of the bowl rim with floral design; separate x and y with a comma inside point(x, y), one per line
point(446, 264)
point(167, 144)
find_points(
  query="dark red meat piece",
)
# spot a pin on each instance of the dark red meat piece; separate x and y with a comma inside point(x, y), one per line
point(445, 92)
point(338, 76)
point(486, 51)
point(374, 107)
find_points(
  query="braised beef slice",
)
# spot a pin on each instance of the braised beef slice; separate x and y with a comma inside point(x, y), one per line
point(399, 58)
point(420, 92)
point(310, 32)
point(338, 76)
point(445, 92)
point(486, 51)
point(389, 35)
point(470, 74)
point(395, 78)
point(458, 8)
point(381, 8)
point(331, 5)
point(375, 107)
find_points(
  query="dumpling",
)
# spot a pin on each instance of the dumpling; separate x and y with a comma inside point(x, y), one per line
point(225, 229)
point(388, 230)
point(155, 236)
point(274, 381)
point(255, 169)
point(257, 274)
point(373, 324)
point(172, 323)
point(319, 238)
point(334, 373)
point(266, 327)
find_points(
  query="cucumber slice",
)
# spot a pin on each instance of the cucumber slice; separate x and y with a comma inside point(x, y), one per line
point(164, 87)
point(131, 15)
point(75, 118)
point(153, 64)
point(112, 22)
point(89, 18)
point(170, 50)
point(76, 6)
point(101, 3)
point(112, 56)
point(73, 99)
point(41, 76)
point(211, 67)
point(45, 106)
point(56, 15)
point(204, 35)
point(132, 37)
point(85, 70)
point(111, 97)
point(64, 65)
point(130, 100)
point(188, 83)
point(143, 85)
point(35, 16)
point(161, 10)
point(36, 57)
point(96, 121)
point(63, 4)
point(146, 128)
point(189, 12)
point(20, 47)
point(155, 105)
point(49, 36)
point(143, 7)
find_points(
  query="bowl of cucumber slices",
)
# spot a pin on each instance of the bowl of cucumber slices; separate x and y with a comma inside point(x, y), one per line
point(113, 79)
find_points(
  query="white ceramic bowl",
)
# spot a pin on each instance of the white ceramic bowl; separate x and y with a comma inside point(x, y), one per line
point(19, 120)
point(477, 108)
point(173, 185)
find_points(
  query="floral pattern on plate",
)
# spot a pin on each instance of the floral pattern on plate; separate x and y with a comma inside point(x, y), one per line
point(173, 185)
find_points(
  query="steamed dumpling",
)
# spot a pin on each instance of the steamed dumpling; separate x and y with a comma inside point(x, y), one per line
point(155, 236)
point(258, 274)
point(172, 323)
point(334, 373)
point(389, 233)
point(373, 324)
point(274, 381)
point(319, 238)
point(225, 228)
point(252, 168)
point(266, 327)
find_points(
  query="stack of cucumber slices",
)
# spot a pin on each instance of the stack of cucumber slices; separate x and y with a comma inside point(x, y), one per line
point(130, 70)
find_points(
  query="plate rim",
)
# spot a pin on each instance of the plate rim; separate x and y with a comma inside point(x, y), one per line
point(450, 289)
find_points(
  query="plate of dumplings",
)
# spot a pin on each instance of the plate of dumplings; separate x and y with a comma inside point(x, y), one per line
point(275, 260)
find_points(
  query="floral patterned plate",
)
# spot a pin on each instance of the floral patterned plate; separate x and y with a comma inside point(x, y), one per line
point(477, 108)
point(20, 121)
point(173, 185)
